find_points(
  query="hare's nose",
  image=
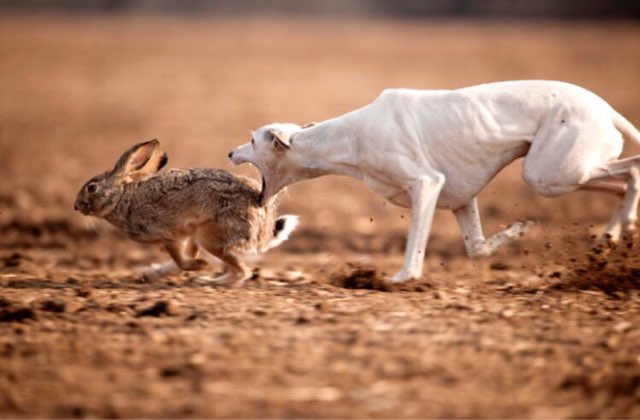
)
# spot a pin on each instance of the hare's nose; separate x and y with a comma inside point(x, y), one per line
point(230, 154)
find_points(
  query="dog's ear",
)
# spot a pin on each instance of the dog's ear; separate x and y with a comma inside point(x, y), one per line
point(280, 139)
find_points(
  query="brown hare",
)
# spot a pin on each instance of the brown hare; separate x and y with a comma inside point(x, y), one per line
point(185, 210)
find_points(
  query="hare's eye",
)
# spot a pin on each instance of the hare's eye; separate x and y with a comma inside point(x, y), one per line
point(253, 141)
point(91, 188)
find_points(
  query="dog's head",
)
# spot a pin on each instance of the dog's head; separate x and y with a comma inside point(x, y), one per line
point(271, 150)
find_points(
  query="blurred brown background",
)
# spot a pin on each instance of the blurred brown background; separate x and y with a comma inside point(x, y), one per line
point(397, 8)
point(523, 334)
point(83, 80)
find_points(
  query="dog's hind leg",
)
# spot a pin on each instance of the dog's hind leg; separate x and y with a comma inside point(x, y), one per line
point(611, 233)
point(471, 228)
point(610, 185)
point(623, 222)
point(629, 169)
point(629, 208)
point(424, 196)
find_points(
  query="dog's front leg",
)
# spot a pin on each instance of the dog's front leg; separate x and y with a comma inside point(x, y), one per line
point(424, 196)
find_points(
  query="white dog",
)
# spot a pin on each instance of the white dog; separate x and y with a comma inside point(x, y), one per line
point(438, 148)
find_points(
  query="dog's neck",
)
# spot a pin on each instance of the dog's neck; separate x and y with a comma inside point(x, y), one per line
point(328, 148)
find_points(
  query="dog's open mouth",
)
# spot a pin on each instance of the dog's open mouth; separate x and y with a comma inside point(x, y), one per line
point(261, 195)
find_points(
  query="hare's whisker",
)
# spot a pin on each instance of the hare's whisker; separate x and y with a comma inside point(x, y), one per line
point(96, 225)
point(88, 223)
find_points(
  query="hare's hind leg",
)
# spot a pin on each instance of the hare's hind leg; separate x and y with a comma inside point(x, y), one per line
point(237, 272)
point(184, 254)
point(157, 271)
point(191, 247)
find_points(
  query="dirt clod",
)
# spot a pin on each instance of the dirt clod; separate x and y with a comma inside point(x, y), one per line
point(499, 265)
point(83, 292)
point(160, 308)
point(17, 314)
point(53, 306)
point(13, 260)
point(357, 276)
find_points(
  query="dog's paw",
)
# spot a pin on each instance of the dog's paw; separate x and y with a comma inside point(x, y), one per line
point(629, 234)
point(521, 227)
point(404, 276)
point(606, 242)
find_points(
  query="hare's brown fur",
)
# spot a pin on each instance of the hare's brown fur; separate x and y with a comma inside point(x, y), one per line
point(181, 208)
point(171, 205)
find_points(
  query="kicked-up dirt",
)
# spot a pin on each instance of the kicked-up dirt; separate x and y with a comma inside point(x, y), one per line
point(545, 329)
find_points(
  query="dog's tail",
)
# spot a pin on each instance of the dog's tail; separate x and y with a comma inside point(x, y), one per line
point(625, 127)
point(283, 227)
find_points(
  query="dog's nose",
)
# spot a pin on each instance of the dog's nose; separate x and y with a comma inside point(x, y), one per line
point(230, 154)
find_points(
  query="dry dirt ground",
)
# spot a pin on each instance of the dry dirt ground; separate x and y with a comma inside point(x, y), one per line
point(537, 331)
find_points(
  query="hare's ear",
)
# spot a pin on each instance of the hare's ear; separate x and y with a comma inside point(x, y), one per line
point(280, 139)
point(160, 160)
point(141, 159)
point(157, 161)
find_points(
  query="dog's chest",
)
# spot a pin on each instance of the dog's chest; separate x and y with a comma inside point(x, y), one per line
point(397, 194)
point(451, 197)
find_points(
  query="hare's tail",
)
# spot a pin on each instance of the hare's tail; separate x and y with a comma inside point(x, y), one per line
point(283, 227)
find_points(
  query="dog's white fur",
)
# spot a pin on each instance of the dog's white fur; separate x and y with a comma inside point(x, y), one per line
point(438, 148)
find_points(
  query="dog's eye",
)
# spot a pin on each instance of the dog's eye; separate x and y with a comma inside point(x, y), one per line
point(91, 188)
